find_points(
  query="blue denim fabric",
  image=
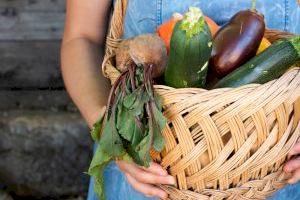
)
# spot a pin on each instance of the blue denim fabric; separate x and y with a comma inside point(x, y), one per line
point(290, 192)
point(143, 16)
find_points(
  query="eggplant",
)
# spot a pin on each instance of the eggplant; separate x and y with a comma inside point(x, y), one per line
point(236, 42)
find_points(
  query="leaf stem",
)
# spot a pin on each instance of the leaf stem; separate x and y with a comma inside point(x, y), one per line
point(148, 80)
point(111, 98)
point(132, 76)
point(253, 5)
point(150, 122)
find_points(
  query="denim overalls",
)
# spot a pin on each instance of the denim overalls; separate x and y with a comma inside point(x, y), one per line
point(143, 16)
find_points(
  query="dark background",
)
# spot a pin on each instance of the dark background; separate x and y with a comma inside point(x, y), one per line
point(45, 146)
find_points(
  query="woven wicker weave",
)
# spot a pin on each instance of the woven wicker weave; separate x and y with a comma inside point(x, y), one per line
point(223, 143)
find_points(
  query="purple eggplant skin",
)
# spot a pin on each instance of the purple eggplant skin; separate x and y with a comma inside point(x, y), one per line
point(237, 42)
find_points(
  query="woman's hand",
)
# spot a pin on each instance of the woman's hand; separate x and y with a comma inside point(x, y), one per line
point(293, 166)
point(143, 179)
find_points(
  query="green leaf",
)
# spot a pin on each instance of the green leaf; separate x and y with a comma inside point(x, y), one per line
point(128, 86)
point(139, 106)
point(125, 123)
point(130, 113)
point(100, 158)
point(159, 117)
point(130, 99)
point(126, 157)
point(135, 102)
point(99, 162)
point(137, 135)
point(110, 141)
point(143, 151)
point(157, 126)
point(128, 126)
point(158, 139)
point(295, 41)
point(95, 132)
point(158, 101)
point(139, 75)
point(135, 156)
point(128, 132)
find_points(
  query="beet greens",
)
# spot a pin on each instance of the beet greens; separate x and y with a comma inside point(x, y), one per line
point(132, 123)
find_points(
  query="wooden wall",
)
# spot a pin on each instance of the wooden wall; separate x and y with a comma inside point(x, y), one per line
point(30, 34)
point(31, 19)
point(31, 89)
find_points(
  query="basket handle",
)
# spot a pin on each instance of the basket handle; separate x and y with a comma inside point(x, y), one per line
point(113, 38)
point(272, 34)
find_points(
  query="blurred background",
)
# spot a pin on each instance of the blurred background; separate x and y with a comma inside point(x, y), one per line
point(45, 146)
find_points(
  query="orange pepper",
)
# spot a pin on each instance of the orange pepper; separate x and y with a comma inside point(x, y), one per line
point(263, 45)
point(166, 29)
point(213, 26)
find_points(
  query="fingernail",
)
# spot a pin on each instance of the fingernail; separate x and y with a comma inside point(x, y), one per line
point(171, 180)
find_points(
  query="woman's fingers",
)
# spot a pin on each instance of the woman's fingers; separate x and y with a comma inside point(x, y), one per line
point(292, 165)
point(295, 178)
point(156, 169)
point(147, 189)
point(144, 176)
point(295, 150)
point(147, 177)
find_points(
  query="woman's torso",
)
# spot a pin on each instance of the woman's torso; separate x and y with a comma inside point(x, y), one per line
point(143, 16)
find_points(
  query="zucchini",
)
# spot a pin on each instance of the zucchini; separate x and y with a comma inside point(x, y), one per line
point(190, 50)
point(267, 66)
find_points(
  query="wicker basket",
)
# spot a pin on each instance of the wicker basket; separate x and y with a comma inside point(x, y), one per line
point(223, 143)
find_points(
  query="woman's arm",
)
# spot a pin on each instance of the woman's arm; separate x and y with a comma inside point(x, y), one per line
point(81, 60)
point(81, 54)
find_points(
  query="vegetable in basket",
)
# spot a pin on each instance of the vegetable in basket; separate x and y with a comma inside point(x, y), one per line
point(265, 43)
point(266, 66)
point(213, 26)
point(166, 29)
point(133, 120)
point(237, 42)
point(190, 51)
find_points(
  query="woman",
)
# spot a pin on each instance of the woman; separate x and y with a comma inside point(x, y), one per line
point(82, 53)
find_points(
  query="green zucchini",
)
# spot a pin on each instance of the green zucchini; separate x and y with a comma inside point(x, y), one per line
point(267, 66)
point(190, 50)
